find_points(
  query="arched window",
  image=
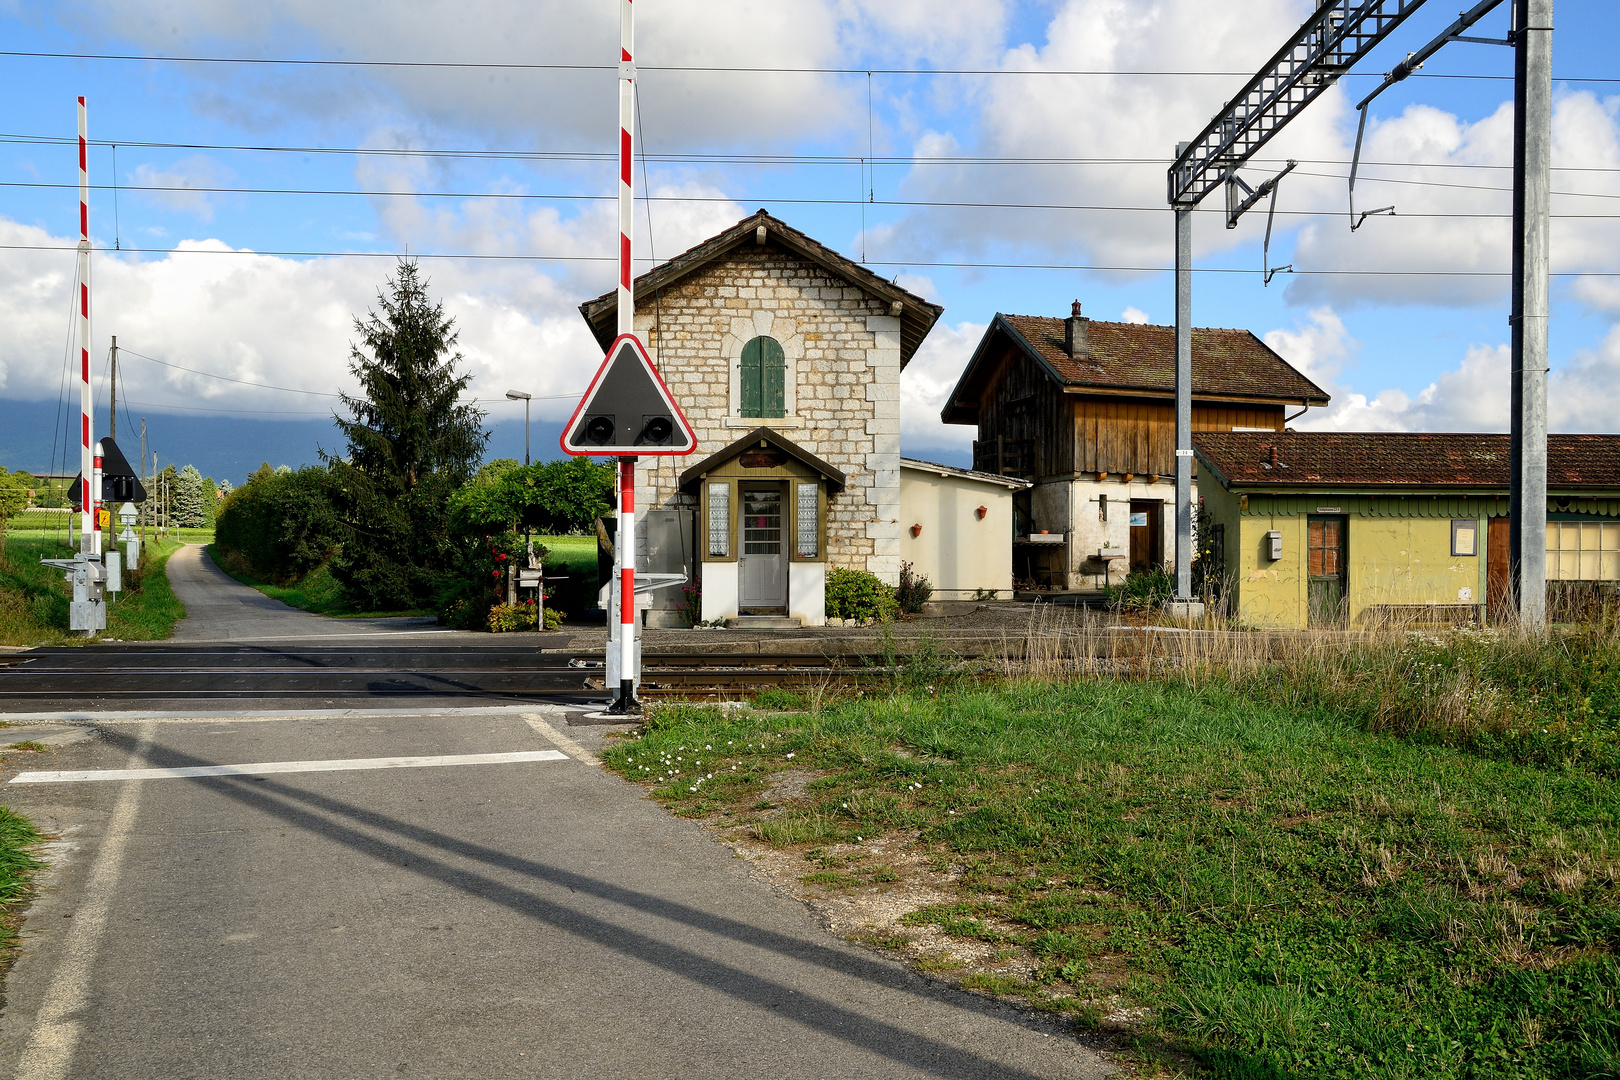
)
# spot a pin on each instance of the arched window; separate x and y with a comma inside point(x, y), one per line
point(762, 378)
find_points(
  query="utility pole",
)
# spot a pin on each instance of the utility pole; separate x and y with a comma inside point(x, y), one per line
point(143, 482)
point(1184, 216)
point(1532, 183)
point(112, 412)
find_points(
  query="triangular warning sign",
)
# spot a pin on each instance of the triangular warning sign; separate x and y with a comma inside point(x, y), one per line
point(628, 410)
point(119, 484)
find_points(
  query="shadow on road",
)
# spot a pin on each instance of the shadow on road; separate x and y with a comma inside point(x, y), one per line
point(331, 819)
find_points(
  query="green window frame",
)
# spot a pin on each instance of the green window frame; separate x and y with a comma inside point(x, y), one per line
point(764, 370)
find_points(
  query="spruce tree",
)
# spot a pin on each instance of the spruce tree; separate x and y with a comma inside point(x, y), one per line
point(411, 443)
point(190, 512)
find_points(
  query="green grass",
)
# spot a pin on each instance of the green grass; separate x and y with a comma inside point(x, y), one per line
point(317, 592)
point(17, 864)
point(34, 599)
point(1283, 891)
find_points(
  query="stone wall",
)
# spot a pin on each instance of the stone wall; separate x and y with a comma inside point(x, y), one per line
point(842, 398)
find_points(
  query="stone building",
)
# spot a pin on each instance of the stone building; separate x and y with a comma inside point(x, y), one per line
point(786, 358)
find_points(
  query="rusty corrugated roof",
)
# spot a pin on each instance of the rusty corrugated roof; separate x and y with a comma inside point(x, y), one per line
point(1399, 459)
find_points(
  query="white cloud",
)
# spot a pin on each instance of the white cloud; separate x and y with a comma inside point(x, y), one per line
point(177, 187)
point(679, 106)
point(1026, 111)
point(1456, 220)
point(1473, 396)
point(286, 322)
point(927, 382)
point(1134, 314)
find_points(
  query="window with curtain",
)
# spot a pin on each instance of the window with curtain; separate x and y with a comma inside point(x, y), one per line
point(809, 522)
point(1583, 551)
point(763, 378)
point(720, 520)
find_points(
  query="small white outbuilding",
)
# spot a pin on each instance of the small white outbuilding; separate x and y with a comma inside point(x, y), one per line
point(956, 528)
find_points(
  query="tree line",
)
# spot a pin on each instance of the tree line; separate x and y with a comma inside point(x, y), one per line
point(404, 516)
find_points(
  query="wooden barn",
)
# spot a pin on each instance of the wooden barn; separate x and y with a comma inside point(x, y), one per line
point(1085, 411)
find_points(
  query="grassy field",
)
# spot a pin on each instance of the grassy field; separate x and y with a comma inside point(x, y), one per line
point(34, 599)
point(1228, 881)
point(574, 556)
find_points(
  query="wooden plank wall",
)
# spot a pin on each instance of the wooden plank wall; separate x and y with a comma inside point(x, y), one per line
point(1022, 402)
point(1118, 436)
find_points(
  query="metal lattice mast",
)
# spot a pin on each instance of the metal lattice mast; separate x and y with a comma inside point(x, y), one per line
point(1532, 184)
point(1336, 35)
point(1340, 33)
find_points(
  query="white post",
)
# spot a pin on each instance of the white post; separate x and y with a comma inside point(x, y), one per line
point(88, 536)
point(624, 548)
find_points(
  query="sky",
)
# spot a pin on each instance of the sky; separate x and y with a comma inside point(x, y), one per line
point(987, 154)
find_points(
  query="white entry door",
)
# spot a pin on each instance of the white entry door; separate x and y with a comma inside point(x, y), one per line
point(763, 573)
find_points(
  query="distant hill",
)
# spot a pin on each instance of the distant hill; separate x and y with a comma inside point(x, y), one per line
point(224, 447)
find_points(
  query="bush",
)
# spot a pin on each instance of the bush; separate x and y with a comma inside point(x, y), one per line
point(278, 526)
point(914, 590)
point(857, 594)
point(505, 618)
point(1144, 590)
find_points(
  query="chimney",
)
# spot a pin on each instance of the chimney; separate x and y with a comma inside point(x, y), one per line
point(1274, 456)
point(1074, 332)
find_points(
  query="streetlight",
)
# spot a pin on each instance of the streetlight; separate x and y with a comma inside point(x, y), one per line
point(518, 395)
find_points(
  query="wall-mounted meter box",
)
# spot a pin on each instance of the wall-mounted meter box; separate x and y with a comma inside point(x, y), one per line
point(1274, 545)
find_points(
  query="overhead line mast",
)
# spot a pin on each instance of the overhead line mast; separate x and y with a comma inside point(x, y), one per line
point(1337, 34)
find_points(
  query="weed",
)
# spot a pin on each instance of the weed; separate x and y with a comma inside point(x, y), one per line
point(778, 700)
point(30, 744)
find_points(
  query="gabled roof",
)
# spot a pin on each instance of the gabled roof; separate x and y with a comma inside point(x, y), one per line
point(917, 316)
point(1133, 357)
point(965, 474)
point(834, 476)
point(1359, 459)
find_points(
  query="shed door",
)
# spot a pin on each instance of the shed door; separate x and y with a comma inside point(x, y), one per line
point(1147, 534)
point(1325, 569)
point(1498, 580)
point(763, 569)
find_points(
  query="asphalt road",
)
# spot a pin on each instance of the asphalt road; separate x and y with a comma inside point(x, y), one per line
point(238, 648)
point(529, 918)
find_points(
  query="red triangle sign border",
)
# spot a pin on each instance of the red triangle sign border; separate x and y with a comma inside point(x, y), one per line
point(682, 427)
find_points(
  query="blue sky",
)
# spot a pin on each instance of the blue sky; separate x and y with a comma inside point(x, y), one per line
point(257, 281)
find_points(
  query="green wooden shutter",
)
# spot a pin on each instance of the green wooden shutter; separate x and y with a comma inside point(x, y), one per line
point(751, 378)
point(772, 367)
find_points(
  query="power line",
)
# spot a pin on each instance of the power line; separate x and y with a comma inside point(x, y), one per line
point(226, 378)
point(900, 263)
point(976, 204)
point(260, 61)
point(754, 158)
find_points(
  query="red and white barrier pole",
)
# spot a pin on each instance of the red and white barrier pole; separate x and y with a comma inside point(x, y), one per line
point(625, 549)
point(627, 104)
point(89, 525)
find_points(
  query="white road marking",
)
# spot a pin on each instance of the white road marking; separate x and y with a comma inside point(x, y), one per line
point(543, 728)
point(56, 1025)
point(265, 768)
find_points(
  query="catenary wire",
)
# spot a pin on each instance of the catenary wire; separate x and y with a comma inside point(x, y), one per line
point(775, 69)
point(838, 160)
point(900, 263)
point(806, 201)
